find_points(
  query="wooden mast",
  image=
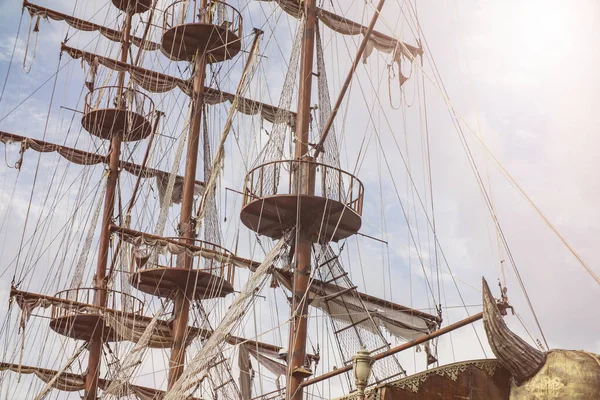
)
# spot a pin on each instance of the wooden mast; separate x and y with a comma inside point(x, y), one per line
point(304, 185)
point(186, 224)
point(100, 281)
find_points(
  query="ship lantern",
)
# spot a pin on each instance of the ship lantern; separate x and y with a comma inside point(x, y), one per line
point(362, 363)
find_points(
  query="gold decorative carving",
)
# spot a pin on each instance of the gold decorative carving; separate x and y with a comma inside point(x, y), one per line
point(414, 382)
point(451, 371)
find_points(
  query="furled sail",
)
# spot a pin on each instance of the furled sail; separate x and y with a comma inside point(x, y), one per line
point(345, 26)
point(28, 301)
point(86, 158)
point(157, 82)
point(66, 382)
point(142, 241)
point(128, 327)
point(132, 329)
point(86, 26)
point(70, 382)
point(246, 372)
point(151, 81)
point(265, 358)
point(340, 303)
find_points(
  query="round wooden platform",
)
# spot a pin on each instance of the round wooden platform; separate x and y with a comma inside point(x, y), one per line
point(321, 218)
point(82, 326)
point(106, 122)
point(139, 6)
point(166, 281)
point(182, 42)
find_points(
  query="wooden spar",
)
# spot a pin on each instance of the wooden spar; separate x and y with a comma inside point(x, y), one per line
point(193, 247)
point(357, 58)
point(304, 185)
point(100, 281)
point(102, 383)
point(318, 285)
point(186, 224)
point(293, 9)
point(80, 24)
point(252, 265)
point(213, 93)
point(397, 349)
point(140, 170)
point(203, 333)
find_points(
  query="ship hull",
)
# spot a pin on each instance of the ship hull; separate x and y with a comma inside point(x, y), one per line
point(468, 380)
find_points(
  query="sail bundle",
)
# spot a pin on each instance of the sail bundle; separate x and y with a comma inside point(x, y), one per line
point(71, 382)
point(341, 304)
point(66, 382)
point(86, 26)
point(345, 26)
point(145, 244)
point(81, 157)
point(127, 327)
point(157, 82)
point(132, 326)
point(149, 80)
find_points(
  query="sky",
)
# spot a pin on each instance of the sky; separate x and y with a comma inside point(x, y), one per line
point(522, 76)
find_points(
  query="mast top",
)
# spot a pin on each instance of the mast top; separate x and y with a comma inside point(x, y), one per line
point(214, 30)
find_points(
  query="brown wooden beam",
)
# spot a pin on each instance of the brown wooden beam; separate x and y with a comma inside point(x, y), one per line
point(102, 383)
point(397, 349)
point(317, 286)
point(100, 277)
point(7, 137)
point(79, 23)
point(77, 53)
point(252, 265)
point(202, 333)
point(181, 309)
point(304, 185)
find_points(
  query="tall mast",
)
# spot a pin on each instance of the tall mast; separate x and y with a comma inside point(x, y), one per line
point(200, 32)
point(304, 186)
point(186, 224)
point(100, 282)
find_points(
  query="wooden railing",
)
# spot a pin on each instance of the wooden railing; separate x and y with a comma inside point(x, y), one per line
point(278, 177)
point(111, 97)
point(215, 13)
point(223, 269)
point(115, 300)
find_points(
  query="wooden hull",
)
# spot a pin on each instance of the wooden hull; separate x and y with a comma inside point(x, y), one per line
point(468, 380)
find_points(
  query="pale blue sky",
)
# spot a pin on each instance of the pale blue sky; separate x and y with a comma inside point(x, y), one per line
point(525, 75)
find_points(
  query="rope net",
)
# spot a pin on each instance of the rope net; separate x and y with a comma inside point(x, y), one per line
point(274, 149)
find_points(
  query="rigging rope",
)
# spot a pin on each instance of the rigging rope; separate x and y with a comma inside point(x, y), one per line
point(215, 169)
point(77, 279)
point(51, 382)
point(273, 150)
point(165, 205)
point(212, 348)
point(212, 228)
point(132, 360)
